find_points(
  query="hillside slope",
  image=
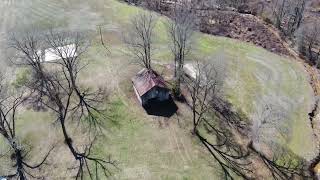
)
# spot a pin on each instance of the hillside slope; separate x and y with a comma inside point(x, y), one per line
point(254, 78)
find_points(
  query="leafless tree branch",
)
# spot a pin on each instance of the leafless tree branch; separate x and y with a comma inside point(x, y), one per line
point(139, 38)
point(58, 89)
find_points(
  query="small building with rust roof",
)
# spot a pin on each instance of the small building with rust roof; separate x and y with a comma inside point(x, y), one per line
point(151, 91)
point(149, 86)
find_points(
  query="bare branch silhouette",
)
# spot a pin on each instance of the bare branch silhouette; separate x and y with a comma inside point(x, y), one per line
point(203, 89)
point(139, 39)
point(57, 88)
point(9, 105)
point(180, 31)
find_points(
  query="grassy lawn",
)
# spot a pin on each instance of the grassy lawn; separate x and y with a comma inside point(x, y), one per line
point(146, 147)
point(152, 148)
point(256, 77)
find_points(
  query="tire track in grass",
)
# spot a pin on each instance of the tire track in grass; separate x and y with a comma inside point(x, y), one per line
point(37, 13)
point(173, 135)
point(8, 19)
point(44, 10)
point(173, 144)
point(19, 12)
point(183, 146)
point(52, 8)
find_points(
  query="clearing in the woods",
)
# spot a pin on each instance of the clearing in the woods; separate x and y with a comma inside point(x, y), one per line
point(148, 147)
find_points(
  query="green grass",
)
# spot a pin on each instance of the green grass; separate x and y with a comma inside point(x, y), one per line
point(256, 77)
point(34, 126)
point(143, 149)
point(22, 76)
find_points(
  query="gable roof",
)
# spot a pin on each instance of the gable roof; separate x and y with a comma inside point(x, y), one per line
point(190, 70)
point(146, 80)
point(52, 54)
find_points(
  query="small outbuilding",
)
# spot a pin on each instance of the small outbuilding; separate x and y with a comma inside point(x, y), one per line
point(153, 94)
point(53, 55)
point(190, 70)
point(68, 51)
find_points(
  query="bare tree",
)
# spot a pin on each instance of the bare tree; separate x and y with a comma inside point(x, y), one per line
point(208, 123)
point(74, 45)
point(309, 41)
point(152, 4)
point(279, 12)
point(268, 121)
point(216, 127)
point(282, 164)
point(132, 1)
point(231, 3)
point(288, 15)
point(102, 40)
point(139, 39)
point(203, 90)
point(9, 105)
point(180, 31)
point(295, 18)
point(57, 88)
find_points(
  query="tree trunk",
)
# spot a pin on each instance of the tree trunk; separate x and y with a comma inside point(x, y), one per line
point(67, 139)
point(19, 161)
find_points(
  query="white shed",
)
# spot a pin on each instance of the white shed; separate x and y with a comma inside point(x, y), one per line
point(52, 54)
point(190, 70)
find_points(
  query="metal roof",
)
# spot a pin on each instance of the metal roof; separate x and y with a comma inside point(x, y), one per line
point(147, 79)
point(67, 51)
